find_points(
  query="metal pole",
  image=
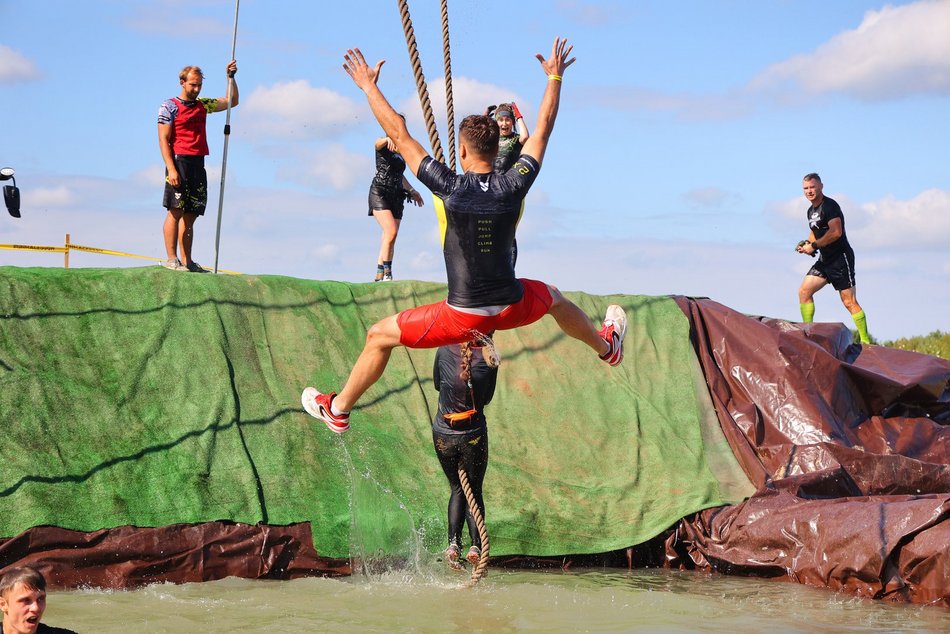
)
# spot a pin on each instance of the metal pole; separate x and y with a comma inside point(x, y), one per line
point(227, 134)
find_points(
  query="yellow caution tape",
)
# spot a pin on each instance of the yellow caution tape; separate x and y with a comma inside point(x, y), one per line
point(79, 247)
point(30, 247)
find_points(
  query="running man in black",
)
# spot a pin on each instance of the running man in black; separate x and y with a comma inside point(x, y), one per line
point(466, 384)
point(478, 212)
point(836, 257)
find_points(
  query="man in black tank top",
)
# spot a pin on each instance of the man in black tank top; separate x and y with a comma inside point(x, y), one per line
point(478, 213)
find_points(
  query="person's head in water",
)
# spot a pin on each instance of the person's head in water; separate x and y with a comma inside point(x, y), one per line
point(22, 600)
point(478, 139)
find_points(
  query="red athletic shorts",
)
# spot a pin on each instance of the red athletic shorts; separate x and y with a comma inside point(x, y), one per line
point(438, 324)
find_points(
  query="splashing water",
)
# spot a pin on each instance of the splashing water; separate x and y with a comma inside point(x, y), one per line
point(378, 519)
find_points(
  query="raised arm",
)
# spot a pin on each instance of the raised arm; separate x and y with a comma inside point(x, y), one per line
point(223, 101)
point(520, 126)
point(554, 68)
point(392, 123)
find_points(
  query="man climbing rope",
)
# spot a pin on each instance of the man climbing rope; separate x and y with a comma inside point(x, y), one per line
point(478, 213)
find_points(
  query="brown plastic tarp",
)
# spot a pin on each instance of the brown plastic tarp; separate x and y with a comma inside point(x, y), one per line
point(130, 556)
point(849, 447)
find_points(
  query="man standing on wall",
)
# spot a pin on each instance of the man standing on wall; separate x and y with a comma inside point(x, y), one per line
point(836, 257)
point(183, 140)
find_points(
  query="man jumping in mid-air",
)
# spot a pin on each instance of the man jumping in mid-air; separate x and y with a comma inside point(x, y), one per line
point(478, 213)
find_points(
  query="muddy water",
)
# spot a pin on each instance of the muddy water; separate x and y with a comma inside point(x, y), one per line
point(506, 601)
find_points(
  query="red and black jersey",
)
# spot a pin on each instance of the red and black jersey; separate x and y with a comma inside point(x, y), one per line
point(188, 119)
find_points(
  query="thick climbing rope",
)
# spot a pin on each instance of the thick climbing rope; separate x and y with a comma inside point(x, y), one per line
point(479, 571)
point(420, 81)
point(449, 101)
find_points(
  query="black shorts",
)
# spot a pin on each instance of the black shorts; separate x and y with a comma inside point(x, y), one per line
point(387, 198)
point(839, 270)
point(191, 196)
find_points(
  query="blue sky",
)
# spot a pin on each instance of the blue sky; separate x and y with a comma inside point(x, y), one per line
point(675, 166)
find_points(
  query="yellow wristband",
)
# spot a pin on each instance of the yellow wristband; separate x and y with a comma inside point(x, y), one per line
point(555, 77)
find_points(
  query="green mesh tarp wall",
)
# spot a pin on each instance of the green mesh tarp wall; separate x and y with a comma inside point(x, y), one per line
point(149, 397)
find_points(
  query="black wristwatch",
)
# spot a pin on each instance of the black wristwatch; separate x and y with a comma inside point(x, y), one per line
point(814, 246)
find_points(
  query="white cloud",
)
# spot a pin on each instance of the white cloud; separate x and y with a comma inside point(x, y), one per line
point(426, 262)
point(921, 222)
point(43, 197)
point(538, 196)
point(15, 67)
point(331, 165)
point(298, 110)
point(152, 176)
point(894, 52)
point(788, 211)
point(339, 168)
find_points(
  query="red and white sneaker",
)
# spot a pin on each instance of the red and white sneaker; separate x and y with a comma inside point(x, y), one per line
point(318, 406)
point(613, 332)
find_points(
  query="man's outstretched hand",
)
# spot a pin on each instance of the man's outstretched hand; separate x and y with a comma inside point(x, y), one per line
point(357, 68)
point(558, 62)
